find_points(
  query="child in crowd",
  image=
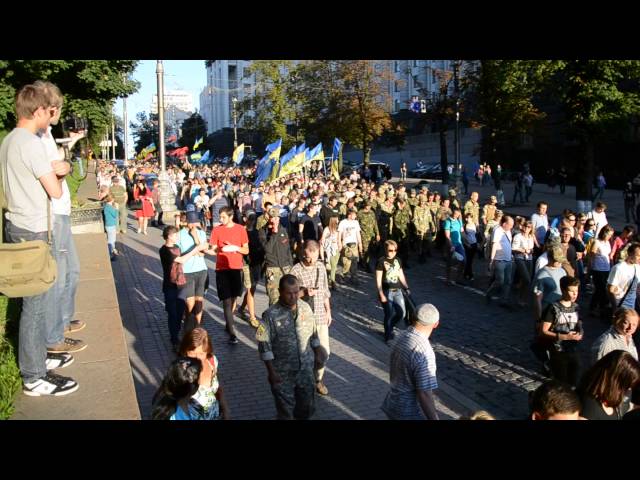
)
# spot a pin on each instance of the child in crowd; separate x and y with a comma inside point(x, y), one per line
point(561, 326)
point(111, 216)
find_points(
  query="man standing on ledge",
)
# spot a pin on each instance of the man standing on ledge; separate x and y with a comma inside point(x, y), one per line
point(286, 337)
point(413, 370)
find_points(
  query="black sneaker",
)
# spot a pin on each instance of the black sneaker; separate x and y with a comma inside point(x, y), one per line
point(51, 384)
point(58, 360)
point(233, 340)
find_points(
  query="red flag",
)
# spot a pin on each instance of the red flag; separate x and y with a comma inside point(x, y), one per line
point(172, 138)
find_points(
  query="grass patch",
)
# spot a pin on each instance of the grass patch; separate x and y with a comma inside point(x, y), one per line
point(9, 372)
point(75, 180)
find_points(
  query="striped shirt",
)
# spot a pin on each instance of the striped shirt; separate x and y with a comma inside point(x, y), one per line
point(412, 369)
point(608, 342)
point(314, 277)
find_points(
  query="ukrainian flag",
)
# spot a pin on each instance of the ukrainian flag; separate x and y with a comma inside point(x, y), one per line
point(274, 149)
point(197, 144)
point(315, 154)
point(238, 154)
point(151, 147)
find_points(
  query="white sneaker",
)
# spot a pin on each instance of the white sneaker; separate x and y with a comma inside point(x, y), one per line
point(51, 384)
point(58, 360)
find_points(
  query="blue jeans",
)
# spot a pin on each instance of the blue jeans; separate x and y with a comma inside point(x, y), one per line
point(503, 273)
point(111, 239)
point(67, 284)
point(394, 310)
point(174, 307)
point(32, 349)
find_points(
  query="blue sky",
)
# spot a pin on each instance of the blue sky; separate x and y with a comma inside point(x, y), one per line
point(189, 75)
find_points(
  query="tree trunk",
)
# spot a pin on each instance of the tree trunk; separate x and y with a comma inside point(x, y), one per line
point(366, 152)
point(443, 156)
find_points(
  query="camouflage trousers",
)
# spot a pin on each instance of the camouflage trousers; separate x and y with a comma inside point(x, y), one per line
point(369, 246)
point(272, 278)
point(295, 396)
point(423, 243)
point(350, 260)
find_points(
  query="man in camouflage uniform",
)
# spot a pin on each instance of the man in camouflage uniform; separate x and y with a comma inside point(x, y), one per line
point(289, 346)
point(413, 199)
point(369, 233)
point(401, 223)
point(425, 227)
point(277, 249)
point(453, 199)
point(385, 213)
point(473, 207)
point(489, 210)
point(434, 204)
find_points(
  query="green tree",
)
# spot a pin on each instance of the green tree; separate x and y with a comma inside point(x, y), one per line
point(90, 88)
point(144, 132)
point(270, 108)
point(596, 96)
point(501, 98)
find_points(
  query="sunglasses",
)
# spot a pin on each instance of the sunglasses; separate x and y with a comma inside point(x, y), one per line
point(391, 250)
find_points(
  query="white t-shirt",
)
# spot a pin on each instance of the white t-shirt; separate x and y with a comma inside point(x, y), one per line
point(540, 226)
point(622, 274)
point(600, 219)
point(520, 242)
point(62, 205)
point(601, 257)
point(503, 239)
point(350, 229)
point(541, 262)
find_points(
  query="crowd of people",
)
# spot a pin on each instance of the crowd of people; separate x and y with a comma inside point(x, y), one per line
point(306, 238)
point(307, 227)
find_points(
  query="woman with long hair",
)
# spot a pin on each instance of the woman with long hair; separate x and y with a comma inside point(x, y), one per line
point(330, 251)
point(606, 385)
point(522, 248)
point(171, 400)
point(142, 193)
point(208, 402)
point(600, 266)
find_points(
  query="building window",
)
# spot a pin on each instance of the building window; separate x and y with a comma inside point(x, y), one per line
point(396, 67)
point(397, 106)
point(415, 63)
point(396, 88)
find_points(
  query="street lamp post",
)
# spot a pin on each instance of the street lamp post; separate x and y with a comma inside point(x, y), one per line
point(457, 93)
point(234, 100)
point(167, 199)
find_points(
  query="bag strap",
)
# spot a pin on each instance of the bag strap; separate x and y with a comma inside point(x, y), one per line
point(633, 279)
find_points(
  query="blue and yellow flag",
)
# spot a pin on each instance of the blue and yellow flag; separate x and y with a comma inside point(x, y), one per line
point(337, 146)
point(315, 154)
point(197, 144)
point(278, 165)
point(238, 154)
point(151, 147)
point(274, 149)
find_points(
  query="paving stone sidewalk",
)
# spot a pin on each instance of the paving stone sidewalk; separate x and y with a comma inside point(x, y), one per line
point(357, 373)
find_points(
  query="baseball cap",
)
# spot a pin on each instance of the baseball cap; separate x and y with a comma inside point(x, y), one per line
point(556, 254)
point(193, 217)
point(427, 314)
point(452, 193)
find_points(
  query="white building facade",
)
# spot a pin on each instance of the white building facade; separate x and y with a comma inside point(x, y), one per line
point(226, 80)
point(179, 99)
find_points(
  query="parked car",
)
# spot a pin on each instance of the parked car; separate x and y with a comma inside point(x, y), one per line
point(420, 172)
point(435, 172)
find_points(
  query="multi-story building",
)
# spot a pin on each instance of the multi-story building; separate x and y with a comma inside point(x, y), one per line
point(229, 79)
point(419, 78)
point(179, 99)
point(226, 80)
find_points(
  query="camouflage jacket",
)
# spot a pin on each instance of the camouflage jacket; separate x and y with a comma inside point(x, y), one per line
point(474, 209)
point(423, 220)
point(402, 219)
point(287, 337)
point(368, 224)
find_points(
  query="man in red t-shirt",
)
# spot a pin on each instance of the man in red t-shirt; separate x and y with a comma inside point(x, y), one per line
point(229, 241)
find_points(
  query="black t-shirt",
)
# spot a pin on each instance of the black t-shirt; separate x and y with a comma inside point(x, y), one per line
point(563, 320)
point(592, 410)
point(311, 229)
point(391, 272)
point(632, 415)
point(167, 257)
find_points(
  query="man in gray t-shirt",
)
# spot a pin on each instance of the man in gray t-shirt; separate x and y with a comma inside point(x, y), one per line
point(546, 283)
point(28, 180)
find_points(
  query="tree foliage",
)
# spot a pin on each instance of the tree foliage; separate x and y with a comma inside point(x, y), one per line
point(90, 87)
point(271, 105)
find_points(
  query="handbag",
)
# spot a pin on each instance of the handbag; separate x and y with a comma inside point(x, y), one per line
point(176, 275)
point(136, 205)
point(27, 268)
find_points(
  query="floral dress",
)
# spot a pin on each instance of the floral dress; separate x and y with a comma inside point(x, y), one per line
point(204, 405)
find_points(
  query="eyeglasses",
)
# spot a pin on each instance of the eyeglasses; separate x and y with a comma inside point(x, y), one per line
point(391, 250)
